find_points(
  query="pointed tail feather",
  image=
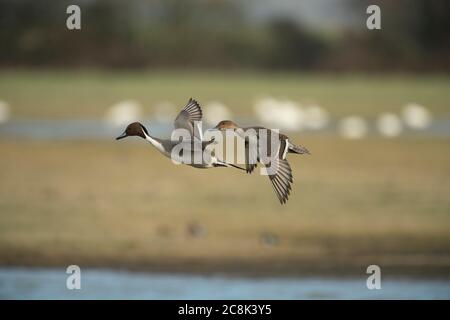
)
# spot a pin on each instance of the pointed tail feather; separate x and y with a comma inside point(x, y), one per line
point(298, 149)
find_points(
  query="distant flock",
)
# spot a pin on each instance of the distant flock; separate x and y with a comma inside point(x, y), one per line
point(288, 115)
point(284, 114)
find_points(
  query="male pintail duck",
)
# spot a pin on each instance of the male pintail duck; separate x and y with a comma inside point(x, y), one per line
point(282, 178)
point(188, 119)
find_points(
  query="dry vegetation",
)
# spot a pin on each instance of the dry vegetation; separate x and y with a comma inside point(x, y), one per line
point(121, 204)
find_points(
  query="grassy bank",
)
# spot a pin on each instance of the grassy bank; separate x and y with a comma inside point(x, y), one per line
point(87, 94)
point(115, 204)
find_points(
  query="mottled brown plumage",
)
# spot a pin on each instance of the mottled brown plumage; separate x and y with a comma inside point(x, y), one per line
point(282, 178)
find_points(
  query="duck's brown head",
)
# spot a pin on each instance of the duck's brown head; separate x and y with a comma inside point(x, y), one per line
point(134, 129)
point(226, 124)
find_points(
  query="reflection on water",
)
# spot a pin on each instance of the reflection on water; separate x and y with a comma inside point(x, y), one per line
point(19, 283)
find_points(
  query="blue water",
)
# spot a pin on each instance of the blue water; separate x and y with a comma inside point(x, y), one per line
point(21, 283)
point(92, 128)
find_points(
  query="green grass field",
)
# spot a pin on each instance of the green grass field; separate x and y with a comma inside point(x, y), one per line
point(85, 94)
point(122, 204)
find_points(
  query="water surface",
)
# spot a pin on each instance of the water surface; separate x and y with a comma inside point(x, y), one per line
point(22, 283)
point(97, 129)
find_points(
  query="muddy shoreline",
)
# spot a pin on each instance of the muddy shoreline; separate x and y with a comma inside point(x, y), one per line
point(249, 268)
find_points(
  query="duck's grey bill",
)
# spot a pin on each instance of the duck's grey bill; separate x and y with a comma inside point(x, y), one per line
point(123, 135)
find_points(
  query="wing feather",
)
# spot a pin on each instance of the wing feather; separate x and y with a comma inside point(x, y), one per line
point(188, 119)
point(282, 179)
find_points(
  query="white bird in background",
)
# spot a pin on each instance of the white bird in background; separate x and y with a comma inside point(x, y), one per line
point(4, 112)
point(282, 114)
point(316, 117)
point(124, 112)
point(389, 125)
point(416, 116)
point(353, 127)
point(266, 110)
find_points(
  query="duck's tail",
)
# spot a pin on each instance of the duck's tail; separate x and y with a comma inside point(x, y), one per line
point(297, 149)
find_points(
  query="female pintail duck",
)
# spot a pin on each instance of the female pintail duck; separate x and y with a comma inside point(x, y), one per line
point(187, 119)
point(282, 178)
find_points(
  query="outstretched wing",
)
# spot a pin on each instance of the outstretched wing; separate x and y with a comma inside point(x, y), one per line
point(282, 179)
point(188, 117)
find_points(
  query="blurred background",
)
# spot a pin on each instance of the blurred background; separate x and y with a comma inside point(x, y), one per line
point(372, 106)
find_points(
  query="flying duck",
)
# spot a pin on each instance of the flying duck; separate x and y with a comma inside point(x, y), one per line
point(189, 119)
point(282, 178)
